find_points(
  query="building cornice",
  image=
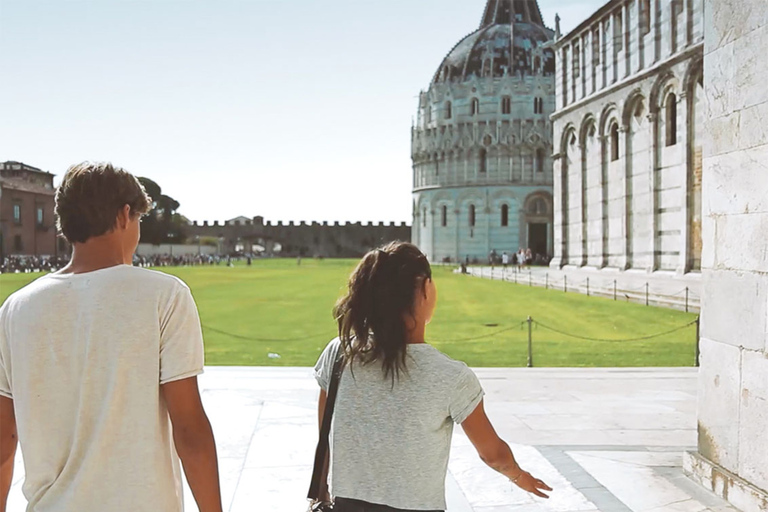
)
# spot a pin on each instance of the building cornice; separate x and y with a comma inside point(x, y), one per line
point(686, 54)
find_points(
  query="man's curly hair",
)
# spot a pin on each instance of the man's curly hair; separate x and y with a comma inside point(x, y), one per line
point(90, 197)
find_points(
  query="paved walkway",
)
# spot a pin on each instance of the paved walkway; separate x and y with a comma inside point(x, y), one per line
point(658, 288)
point(606, 440)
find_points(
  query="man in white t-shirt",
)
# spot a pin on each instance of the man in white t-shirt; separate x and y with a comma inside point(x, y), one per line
point(99, 365)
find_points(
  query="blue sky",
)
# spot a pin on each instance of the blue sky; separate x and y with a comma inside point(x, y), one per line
point(293, 110)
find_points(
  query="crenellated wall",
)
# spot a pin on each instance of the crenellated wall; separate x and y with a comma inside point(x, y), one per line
point(331, 240)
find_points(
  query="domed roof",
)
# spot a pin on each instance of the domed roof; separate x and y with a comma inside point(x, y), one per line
point(510, 41)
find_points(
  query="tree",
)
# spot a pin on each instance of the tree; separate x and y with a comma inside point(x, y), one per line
point(162, 224)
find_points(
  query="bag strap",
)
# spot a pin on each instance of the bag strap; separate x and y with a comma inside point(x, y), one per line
point(320, 472)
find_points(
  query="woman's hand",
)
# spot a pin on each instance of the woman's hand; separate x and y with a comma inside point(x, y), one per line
point(528, 482)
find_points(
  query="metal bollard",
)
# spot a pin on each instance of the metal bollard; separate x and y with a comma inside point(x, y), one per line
point(530, 342)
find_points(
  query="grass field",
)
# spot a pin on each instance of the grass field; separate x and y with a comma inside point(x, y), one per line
point(278, 307)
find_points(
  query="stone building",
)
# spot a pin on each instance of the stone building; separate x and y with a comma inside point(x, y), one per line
point(482, 141)
point(27, 223)
point(732, 458)
point(629, 131)
point(348, 240)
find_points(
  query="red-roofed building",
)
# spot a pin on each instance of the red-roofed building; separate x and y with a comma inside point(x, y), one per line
point(27, 222)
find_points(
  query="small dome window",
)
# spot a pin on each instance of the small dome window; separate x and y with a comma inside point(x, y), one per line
point(475, 107)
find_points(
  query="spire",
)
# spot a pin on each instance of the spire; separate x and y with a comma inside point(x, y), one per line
point(506, 12)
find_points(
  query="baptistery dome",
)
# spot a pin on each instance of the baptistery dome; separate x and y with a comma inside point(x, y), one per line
point(512, 39)
point(481, 143)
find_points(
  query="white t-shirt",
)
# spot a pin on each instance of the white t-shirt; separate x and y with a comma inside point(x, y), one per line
point(390, 443)
point(83, 356)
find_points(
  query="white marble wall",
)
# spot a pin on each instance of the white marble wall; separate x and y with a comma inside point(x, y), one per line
point(617, 73)
point(733, 395)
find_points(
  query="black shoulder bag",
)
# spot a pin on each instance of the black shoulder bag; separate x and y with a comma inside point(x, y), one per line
point(320, 472)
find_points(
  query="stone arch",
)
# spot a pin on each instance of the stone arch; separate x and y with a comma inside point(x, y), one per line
point(635, 116)
point(590, 181)
point(538, 215)
point(660, 89)
point(630, 103)
point(566, 166)
point(609, 114)
point(693, 90)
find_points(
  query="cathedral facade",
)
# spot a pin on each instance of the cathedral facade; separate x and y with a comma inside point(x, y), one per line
point(628, 130)
point(482, 141)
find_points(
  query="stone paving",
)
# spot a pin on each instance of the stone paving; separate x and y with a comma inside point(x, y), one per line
point(664, 288)
point(607, 440)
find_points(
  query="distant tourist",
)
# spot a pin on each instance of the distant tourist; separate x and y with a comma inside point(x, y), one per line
point(504, 260)
point(399, 397)
point(521, 258)
point(98, 361)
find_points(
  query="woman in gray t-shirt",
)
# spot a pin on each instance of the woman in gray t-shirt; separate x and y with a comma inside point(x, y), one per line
point(399, 397)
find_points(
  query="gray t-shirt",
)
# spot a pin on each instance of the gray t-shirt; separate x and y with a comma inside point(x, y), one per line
point(390, 445)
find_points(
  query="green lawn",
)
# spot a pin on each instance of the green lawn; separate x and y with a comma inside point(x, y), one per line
point(278, 307)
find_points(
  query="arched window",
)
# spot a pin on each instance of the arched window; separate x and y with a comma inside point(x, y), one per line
point(671, 120)
point(475, 109)
point(504, 215)
point(424, 218)
point(448, 110)
point(471, 215)
point(483, 163)
point(506, 105)
point(538, 106)
point(428, 114)
point(487, 67)
point(540, 161)
point(614, 142)
point(444, 216)
point(538, 207)
point(646, 16)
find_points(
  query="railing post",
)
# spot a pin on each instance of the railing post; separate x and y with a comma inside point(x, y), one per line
point(686, 299)
point(516, 277)
point(530, 279)
point(646, 294)
point(587, 287)
point(565, 284)
point(698, 338)
point(614, 289)
point(530, 342)
point(547, 285)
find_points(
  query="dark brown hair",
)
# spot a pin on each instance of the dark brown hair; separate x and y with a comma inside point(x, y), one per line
point(90, 197)
point(371, 316)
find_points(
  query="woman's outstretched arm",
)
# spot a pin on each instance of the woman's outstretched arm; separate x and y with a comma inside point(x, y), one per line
point(497, 454)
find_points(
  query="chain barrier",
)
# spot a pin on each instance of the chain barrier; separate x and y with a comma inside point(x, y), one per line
point(642, 338)
point(265, 340)
point(484, 336)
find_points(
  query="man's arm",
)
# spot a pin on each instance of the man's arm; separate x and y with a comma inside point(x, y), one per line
point(8, 442)
point(497, 454)
point(194, 442)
